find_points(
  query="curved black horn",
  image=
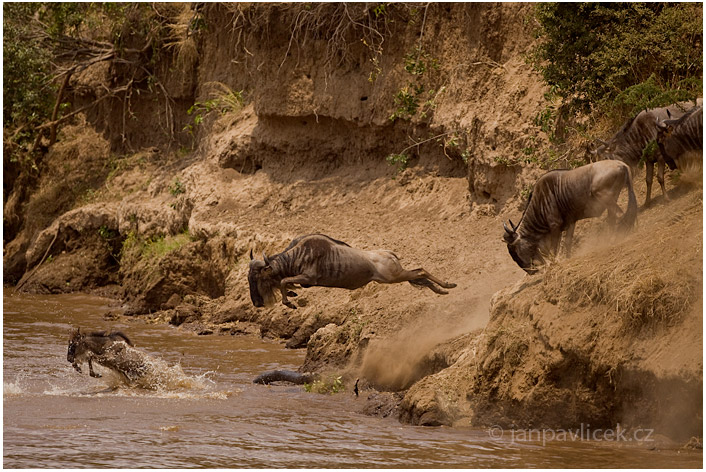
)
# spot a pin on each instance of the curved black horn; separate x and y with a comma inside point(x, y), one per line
point(251, 257)
point(265, 258)
point(514, 226)
point(507, 229)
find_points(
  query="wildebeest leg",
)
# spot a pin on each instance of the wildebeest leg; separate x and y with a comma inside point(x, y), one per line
point(424, 282)
point(569, 239)
point(427, 275)
point(660, 177)
point(300, 279)
point(555, 241)
point(90, 370)
point(422, 277)
point(649, 174)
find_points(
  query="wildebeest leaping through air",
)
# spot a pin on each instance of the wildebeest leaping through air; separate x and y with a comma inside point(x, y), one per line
point(318, 260)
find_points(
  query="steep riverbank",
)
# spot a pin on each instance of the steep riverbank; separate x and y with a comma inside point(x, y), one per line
point(166, 221)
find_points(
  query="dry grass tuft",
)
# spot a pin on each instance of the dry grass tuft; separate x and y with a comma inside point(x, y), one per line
point(180, 38)
point(651, 299)
point(640, 292)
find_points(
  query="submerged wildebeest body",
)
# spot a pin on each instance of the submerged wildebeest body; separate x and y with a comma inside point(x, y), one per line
point(106, 349)
point(284, 376)
point(628, 143)
point(318, 260)
point(562, 197)
point(681, 136)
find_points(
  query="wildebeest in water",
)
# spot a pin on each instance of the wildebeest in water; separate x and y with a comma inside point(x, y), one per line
point(318, 260)
point(562, 197)
point(109, 349)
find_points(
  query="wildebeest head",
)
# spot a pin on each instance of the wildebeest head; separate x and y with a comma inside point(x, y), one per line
point(262, 285)
point(74, 340)
point(597, 150)
point(525, 253)
point(664, 129)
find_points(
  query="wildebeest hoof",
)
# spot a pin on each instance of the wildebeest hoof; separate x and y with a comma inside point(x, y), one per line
point(290, 305)
point(449, 285)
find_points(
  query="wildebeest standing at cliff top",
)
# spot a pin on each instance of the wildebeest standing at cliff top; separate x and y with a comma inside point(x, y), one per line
point(680, 137)
point(628, 143)
point(318, 260)
point(562, 197)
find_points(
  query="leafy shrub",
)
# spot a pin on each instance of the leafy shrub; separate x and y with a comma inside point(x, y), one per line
point(176, 188)
point(225, 100)
point(330, 386)
point(415, 97)
point(401, 161)
point(593, 52)
point(153, 248)
point(27, 100)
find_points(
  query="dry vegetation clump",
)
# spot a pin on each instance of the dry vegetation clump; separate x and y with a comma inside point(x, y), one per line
point(180, 37)
point(641, 292)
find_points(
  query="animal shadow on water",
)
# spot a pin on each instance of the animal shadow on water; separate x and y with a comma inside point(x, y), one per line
point(128, 365)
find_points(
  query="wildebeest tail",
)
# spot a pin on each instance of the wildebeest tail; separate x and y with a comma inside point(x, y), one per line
point(627, 222)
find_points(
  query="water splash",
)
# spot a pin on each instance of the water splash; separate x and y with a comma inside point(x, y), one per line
point(14, 388)
point(129, 371)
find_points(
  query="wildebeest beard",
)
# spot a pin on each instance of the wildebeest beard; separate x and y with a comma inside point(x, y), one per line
point(263, 289)
point(527, 267)
point(268, 290)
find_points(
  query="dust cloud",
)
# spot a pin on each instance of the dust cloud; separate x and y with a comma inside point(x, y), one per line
point(396, 363)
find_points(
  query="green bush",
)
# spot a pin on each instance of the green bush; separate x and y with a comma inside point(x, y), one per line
point(27, 93)
point(329, 385)
point(594, 52)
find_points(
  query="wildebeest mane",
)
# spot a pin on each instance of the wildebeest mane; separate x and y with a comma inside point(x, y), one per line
point(295, 241)
point(533, 222)
point(675, 122)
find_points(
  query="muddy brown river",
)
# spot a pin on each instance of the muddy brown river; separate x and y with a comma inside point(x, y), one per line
point(204, 411)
